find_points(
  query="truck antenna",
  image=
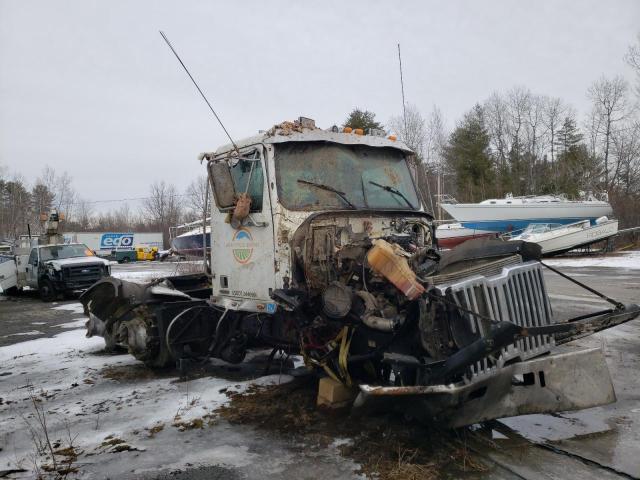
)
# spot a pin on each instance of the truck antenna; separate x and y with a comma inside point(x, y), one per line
point(195, 83)
point(404, 108)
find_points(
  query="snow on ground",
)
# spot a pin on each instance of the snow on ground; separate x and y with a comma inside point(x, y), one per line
point(623, 260)
point(148, 412)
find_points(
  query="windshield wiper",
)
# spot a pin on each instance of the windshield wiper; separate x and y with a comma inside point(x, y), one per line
point(328, 189)
point(395, 191)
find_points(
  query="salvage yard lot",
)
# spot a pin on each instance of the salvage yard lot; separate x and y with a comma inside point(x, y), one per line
point(126, 421)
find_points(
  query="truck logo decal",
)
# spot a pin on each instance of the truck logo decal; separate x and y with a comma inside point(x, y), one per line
point(242, 246)
point(110, 241)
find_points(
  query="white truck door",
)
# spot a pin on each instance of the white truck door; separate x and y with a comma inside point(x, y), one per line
point(32, 268)
point(243, 258)
point(8, 273)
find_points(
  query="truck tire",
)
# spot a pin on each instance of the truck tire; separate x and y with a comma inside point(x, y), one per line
point(12, 292)
point(47, 290)
point(125, 260)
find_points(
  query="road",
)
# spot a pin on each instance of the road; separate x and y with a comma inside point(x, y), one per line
point(598, 443)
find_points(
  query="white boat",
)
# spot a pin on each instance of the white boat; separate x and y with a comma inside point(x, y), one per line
point(451, 234)
point(516, 213)
point(556, 238)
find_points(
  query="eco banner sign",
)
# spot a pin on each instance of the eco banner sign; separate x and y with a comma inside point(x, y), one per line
point(116, 241)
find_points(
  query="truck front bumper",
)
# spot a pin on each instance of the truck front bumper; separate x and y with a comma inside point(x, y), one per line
point(560, 382)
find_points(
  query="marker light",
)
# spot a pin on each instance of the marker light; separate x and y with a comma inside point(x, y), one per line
point(358, 131)
point(393, 138)
point(347, 130)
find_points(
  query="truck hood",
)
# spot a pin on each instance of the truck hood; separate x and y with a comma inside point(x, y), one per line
point(58, 264)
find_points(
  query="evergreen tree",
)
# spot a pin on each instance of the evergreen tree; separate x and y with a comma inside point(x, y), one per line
point(467, 154)
point(568, 136)
point(363, 119)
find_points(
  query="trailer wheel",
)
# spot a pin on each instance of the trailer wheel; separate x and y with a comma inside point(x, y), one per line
point(47, 290)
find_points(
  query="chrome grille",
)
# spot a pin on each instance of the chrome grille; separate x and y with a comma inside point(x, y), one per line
point(517, 295)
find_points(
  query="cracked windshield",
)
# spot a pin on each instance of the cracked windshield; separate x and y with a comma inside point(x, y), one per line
point(314, 176)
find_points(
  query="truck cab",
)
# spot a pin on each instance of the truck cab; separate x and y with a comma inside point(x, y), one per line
point(312, 192)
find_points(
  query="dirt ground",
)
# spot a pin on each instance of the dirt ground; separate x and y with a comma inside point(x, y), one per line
point(276, 431)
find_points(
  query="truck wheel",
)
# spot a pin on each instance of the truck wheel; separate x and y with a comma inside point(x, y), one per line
point(125, 260)
point(47, 290)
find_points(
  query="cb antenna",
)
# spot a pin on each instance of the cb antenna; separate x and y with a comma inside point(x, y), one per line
point(404, 108)
point(196, 84)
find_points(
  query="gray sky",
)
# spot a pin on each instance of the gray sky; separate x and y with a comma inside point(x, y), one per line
point(91, 88)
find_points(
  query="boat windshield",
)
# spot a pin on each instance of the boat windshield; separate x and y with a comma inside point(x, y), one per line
point(319, 176)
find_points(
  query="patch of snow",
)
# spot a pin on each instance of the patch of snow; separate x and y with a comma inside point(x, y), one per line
point(31, 332)
point(626, 260)
point(77, 324)
point(66, 373)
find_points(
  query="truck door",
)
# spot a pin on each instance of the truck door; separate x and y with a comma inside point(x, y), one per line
point(242, 259)
point(32, 268)
point(8, 273)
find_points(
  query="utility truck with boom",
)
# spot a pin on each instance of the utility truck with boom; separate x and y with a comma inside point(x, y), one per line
point(47, 264)
point(321, 246)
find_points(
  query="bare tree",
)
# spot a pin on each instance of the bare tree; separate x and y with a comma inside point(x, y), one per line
point(633, 60)
point(495, 109)
point(64, 196)
point(162, 208)
point(84, 214)
point(413, 133)
point(609, 109)
point(626, 149)
point(554, 113)
point(195, 196)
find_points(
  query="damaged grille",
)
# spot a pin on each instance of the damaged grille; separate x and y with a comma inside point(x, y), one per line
point(81, 275)
point(516, 295)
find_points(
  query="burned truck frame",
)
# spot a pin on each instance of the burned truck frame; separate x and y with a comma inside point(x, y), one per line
point(321, 246)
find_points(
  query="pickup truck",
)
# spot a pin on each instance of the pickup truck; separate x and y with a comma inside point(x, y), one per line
point(52, 270)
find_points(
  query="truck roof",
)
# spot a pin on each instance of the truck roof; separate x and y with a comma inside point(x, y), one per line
point(295, 132)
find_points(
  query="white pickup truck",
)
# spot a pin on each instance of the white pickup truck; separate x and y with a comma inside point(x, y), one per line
point(52, 269)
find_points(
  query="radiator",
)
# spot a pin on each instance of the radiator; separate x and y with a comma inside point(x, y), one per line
point(517, 295)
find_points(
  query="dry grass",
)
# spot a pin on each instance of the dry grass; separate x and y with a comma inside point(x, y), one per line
point(385, 447)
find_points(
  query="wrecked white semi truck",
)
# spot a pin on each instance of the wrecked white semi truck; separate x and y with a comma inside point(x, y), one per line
point(321, 246)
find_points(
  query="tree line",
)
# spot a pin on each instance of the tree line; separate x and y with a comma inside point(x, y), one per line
point(524, 143)
point(23, 203)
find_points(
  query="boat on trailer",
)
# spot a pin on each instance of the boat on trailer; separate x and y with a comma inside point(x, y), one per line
point(517, 213)
point(556, 238)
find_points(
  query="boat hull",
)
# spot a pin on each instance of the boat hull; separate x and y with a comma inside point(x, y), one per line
point(452, 235)
point(507, 218)
point(582, 238)
point(190, 246)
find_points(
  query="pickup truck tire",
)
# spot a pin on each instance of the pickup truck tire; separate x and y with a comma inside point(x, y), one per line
point(47, 290)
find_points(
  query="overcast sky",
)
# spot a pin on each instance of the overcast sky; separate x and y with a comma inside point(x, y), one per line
point(90, 87)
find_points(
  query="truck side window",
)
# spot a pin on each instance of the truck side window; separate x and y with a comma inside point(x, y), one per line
point(33, 256)
point(241, 172)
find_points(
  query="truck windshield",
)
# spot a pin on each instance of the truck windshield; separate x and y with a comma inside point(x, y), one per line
point(368, 177)
point(56, 252)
